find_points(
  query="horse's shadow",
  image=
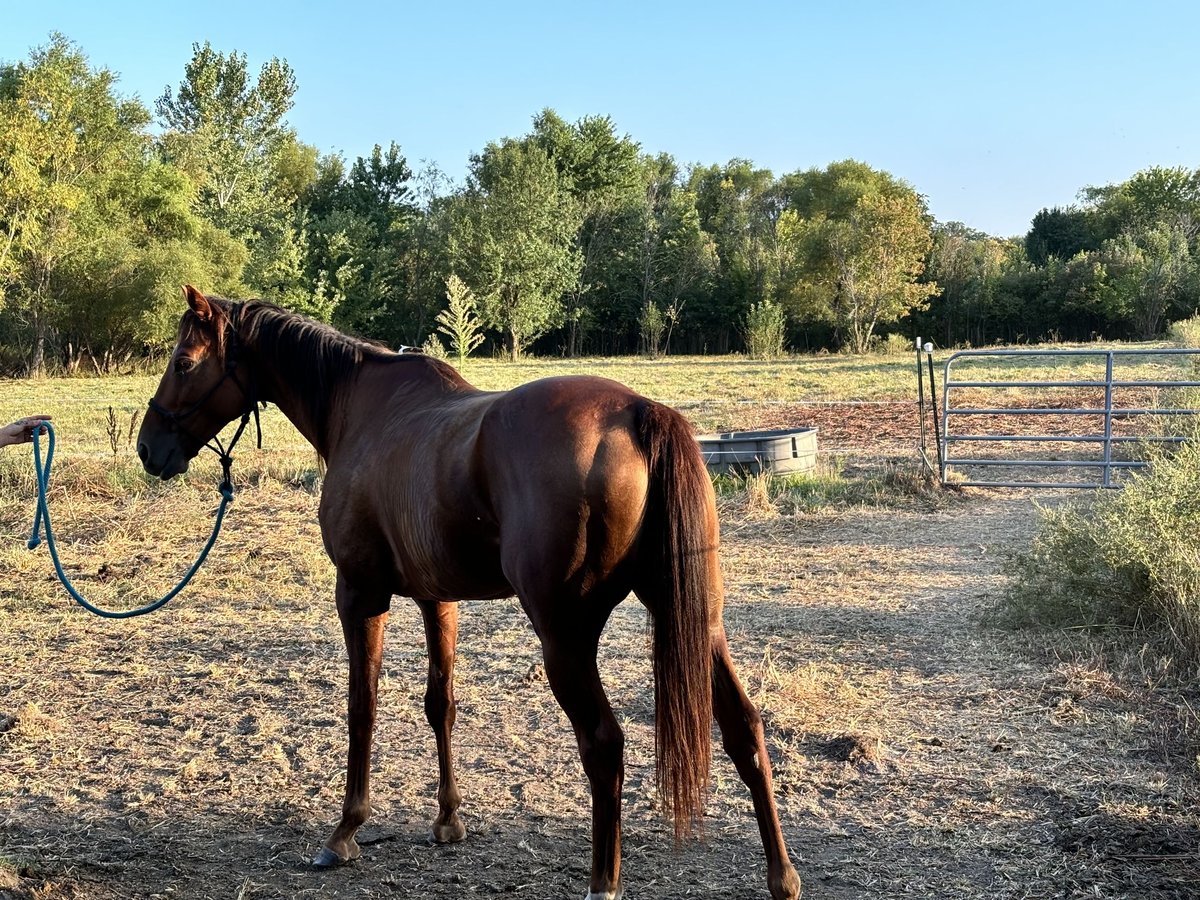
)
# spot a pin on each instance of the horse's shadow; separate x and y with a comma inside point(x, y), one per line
point(51, 853)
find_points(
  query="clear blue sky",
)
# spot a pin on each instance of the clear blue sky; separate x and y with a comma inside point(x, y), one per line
point(992, 110)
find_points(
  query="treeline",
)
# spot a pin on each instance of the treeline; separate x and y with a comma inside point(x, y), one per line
point(567, 240)
point(1122, 265)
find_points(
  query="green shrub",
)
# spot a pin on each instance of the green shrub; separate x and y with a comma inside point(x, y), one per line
point(1129, 558)
point(1186, 332)
point(1067, 576)
point(459, 321)
point(895, 345)
point(652, 325)
point(434, 347)
point(765, 330)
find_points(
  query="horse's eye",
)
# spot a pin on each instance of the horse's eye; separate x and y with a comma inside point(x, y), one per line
point(184, 364)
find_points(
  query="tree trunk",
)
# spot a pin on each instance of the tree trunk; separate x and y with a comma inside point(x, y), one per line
point(37, 365)
point(573, 335)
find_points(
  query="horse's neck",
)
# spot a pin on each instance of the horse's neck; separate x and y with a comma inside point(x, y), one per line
point(285, 378)
point(298, 409)
point(323, 408)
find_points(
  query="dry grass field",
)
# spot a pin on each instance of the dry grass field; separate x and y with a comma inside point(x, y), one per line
point(919, 751)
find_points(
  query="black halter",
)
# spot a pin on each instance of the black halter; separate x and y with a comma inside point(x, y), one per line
point(174, 419)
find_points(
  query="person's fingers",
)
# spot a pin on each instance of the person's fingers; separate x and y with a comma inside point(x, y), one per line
point(22, 430)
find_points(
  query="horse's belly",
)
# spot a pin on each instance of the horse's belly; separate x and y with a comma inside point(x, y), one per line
point(455, 570)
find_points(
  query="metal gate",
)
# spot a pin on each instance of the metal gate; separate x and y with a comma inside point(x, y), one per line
point(1132, 399)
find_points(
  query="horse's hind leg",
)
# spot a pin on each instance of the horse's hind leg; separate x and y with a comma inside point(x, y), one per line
point(742, 737)
point(574, 679)
point(441, 635)
point(568, 624)
point(363, 614)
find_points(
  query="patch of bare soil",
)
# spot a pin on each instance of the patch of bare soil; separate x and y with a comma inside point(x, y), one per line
point(199, 752)
point(885, 427)
point(892, 427)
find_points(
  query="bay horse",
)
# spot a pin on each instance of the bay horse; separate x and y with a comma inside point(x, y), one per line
point(568, 492)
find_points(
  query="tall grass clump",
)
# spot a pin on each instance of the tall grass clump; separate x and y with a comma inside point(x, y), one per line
point(766, 495)
point(1126, 559)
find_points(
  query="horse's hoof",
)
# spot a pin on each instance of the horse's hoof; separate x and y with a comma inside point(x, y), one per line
point(450, 832)
point(788, 886)
point(606, 895)
point(328, 858)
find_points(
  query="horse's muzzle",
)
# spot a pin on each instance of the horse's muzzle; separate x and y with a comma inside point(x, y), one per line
point(163, 465)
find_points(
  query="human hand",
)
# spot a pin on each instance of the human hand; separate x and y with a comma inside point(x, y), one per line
point(21, 431)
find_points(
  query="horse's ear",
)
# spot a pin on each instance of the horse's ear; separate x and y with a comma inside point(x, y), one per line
point(198, 302)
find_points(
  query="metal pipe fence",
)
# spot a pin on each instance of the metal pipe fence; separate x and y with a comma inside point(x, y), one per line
point(1172, 400)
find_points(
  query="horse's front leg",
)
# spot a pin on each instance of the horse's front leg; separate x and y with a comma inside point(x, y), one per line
point(363, 614)
point(441, 635)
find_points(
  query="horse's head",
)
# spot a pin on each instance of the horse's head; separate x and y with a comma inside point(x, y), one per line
point(200, 392)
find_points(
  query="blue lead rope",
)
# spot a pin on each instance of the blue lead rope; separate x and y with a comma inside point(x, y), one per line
point(41, 524)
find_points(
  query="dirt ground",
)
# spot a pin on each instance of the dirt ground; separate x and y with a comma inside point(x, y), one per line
point(918, 752)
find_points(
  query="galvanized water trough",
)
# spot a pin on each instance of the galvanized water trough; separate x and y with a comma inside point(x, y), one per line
point(787, 451)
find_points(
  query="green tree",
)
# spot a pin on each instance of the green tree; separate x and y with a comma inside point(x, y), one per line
point(359, 221)
point(602, 171)
point(513, 238)
point(63, 133)
point(227, 130)
point(738, 208)
point(1153, 197)
point(96, 233)
point(1060, 232)
point(967, 265)
point(458, 321)
point(854, 242)
point(422, 261)
point(120, 292)
point(674, 253)
point(276, 269)
point(880, 256)
point(807, 287)
point(1148, 270)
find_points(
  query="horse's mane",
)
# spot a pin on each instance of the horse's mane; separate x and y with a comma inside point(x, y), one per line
point(276, 332)
point(313, 357)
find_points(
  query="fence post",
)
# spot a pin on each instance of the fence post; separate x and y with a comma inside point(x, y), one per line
point(1108, 418)
point(923, 427)
point(933, 404)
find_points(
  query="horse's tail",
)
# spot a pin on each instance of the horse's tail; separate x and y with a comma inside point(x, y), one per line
point(681, 576)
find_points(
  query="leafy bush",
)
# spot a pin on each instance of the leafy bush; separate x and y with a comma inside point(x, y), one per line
point(765, 329)
point(895, 345)
point(434, 347)
point(652, 324)
point(1186, 332)
point(1128, 558)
